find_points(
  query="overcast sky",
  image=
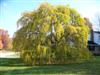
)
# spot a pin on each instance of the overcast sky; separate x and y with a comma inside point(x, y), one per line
point(11, 10)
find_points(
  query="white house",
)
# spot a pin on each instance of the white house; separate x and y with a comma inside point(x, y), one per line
point(97, 37)
point(94, 41)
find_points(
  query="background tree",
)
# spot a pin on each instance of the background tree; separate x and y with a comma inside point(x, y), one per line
point(97, 20)
point(5, 41)
point(88, 23)
point(9, 44)
point(52, 34)
point(1, 45)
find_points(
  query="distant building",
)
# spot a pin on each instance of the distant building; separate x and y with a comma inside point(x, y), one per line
point(94, 38)
point(94, 42)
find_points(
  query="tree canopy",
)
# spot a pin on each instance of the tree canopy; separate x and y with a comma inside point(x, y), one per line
point(52, 34)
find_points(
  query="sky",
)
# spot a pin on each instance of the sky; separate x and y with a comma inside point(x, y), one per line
point(11, 10)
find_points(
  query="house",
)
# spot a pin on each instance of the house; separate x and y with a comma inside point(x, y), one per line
point(94, 42)
point(94, 38)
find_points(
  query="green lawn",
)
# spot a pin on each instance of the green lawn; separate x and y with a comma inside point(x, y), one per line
point(17, 67)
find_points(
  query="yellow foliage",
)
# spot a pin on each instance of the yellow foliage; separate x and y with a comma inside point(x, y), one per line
point(28, 14)
point(56, 35)
point(45, 27)
point(59, 31)
point(71, 29)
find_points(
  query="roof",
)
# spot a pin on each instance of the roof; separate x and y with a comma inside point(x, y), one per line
point(91, 42)
point(97, 32)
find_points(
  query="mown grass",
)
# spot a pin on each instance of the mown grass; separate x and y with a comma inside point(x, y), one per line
point(17, 67)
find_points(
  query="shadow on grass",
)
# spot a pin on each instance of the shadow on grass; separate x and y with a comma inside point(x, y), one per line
point(11, 62)
point(87, 68)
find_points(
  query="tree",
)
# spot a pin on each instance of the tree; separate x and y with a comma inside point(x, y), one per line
point(1, 45)
point(52, 34)
point(9, 44)
point(97, 21)
point(88, 23)
point(5, 41)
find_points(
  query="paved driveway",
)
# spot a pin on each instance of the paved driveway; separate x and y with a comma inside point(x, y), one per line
point(9, 54)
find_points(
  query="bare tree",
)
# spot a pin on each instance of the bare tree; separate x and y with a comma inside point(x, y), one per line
point(97, 20)
point(88, 23)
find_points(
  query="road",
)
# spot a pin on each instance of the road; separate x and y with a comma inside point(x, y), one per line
point(9, 54)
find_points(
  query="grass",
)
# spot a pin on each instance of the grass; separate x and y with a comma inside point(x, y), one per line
point(17, 67)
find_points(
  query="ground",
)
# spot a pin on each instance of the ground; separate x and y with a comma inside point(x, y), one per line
point(14, 66)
